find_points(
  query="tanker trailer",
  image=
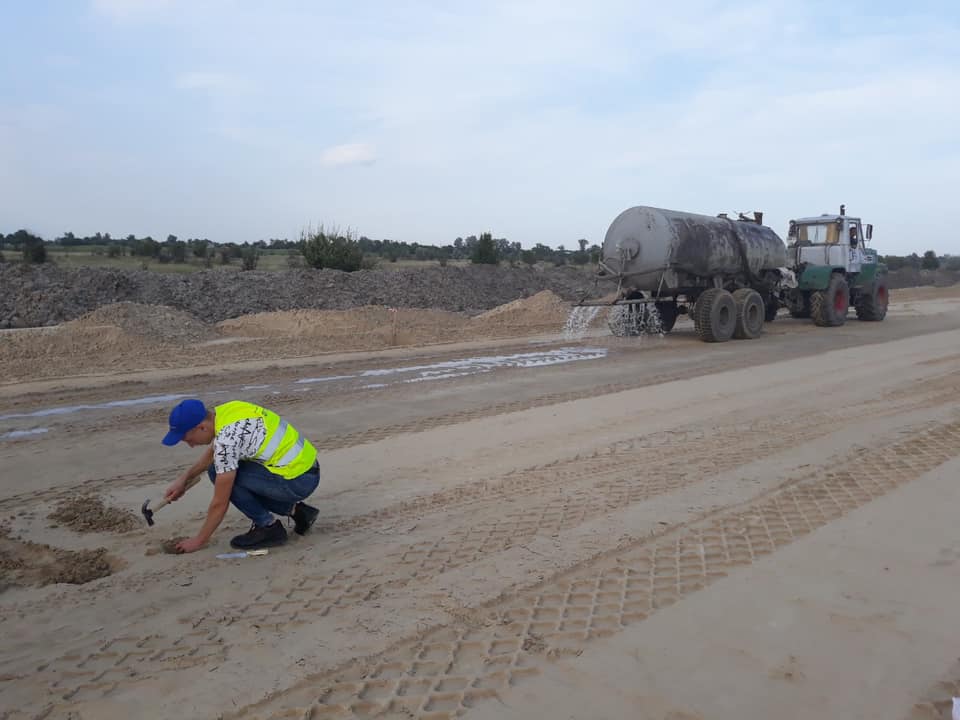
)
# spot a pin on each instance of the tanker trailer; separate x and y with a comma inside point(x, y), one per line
point(726, 274)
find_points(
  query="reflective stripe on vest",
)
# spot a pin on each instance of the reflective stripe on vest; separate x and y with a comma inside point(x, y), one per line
point(273, 441)
point(283, 451)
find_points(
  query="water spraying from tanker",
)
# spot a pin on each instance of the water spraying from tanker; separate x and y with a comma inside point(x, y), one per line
point(633, 320)
point(578, 321)
point(623, 320)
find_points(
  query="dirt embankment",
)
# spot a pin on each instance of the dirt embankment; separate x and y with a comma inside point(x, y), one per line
point(130, 336)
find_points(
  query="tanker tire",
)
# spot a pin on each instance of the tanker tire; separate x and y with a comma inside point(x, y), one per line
point(750, 313)
point(668, 315)
point(716, 315)
point(829, 307)
point(872, 303)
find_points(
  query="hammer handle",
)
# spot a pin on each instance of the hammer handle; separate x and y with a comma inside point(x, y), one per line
point(189, 484)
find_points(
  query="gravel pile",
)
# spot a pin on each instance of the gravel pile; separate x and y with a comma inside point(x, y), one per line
point(35, 296)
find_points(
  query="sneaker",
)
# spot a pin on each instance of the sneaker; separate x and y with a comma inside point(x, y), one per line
point(260, 537)
point(303, 516)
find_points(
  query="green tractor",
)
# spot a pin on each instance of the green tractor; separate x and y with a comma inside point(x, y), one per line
point(834, 270)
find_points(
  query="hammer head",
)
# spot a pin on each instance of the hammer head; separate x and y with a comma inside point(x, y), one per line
point(147, 512)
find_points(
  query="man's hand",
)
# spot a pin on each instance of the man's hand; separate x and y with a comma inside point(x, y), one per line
point(191, 545)
point(175, 490)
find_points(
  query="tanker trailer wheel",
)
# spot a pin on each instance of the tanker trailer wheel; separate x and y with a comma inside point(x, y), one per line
point(716, 315)
point(668, 315)
point(828, 308)
point(750, 313)
point(872, 303)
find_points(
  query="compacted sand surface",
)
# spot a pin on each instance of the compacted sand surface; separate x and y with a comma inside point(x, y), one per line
point(514, 523)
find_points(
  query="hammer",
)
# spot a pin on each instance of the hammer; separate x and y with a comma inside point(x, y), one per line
point(148, 511)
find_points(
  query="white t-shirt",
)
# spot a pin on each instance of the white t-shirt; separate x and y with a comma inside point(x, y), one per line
point(237, 441)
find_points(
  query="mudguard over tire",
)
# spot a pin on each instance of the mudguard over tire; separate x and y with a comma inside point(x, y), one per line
point(828, 308)
point(716, 315)
point(872, 303)
point(750, 314)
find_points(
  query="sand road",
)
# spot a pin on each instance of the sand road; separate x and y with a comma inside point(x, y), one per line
point(605, 528)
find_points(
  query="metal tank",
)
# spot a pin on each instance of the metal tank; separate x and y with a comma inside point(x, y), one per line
point(656, 250)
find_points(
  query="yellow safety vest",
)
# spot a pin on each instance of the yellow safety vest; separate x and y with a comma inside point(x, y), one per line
point(283, 452)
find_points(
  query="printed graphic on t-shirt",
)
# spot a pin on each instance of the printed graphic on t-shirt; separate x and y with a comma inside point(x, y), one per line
point(238, 441)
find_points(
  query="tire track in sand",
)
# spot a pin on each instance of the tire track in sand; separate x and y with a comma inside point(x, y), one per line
point(569, 493)
point(447, 670)
point(945, 384)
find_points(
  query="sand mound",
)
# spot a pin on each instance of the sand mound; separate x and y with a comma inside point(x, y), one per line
point(543, 312)
point(543, 305)
point(156, 323)
point(371, 326)
point(27, 563)
point(128, 336)
point(121, 336)
point(89, 514)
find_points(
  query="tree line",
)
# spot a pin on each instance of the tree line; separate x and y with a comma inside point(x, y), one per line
point(322, 248)
point(331, 248)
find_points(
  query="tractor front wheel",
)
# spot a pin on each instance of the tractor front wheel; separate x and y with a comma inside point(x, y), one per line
point(828, 308)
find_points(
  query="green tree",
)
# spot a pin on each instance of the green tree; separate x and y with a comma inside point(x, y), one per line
point(333, 250)
point(178, 251)
point(930, 261)
point(31, 246)
point(250, 257)
point(485, 251)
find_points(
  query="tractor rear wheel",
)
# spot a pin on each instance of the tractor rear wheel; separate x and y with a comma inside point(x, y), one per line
point(716, 315)
point(829, 307)
point(750, 313)
point(872, 303)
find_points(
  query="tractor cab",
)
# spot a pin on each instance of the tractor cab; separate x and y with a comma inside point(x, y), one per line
point(835, 270)
point(834, 241)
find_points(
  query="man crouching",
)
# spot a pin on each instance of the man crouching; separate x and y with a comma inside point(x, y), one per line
point(256, 460)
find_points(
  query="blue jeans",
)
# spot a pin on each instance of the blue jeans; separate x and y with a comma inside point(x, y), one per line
point(258, 493)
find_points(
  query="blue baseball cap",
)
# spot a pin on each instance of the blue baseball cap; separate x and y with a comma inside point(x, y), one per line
point(184, 418)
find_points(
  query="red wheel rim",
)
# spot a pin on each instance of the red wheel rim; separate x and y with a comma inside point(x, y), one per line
point(840, 302)
point(882, 295)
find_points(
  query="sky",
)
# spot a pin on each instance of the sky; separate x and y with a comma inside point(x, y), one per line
point(539, 121)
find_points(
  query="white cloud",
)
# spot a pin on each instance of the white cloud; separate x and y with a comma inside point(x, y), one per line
point(542, 119)
point(350, 154)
